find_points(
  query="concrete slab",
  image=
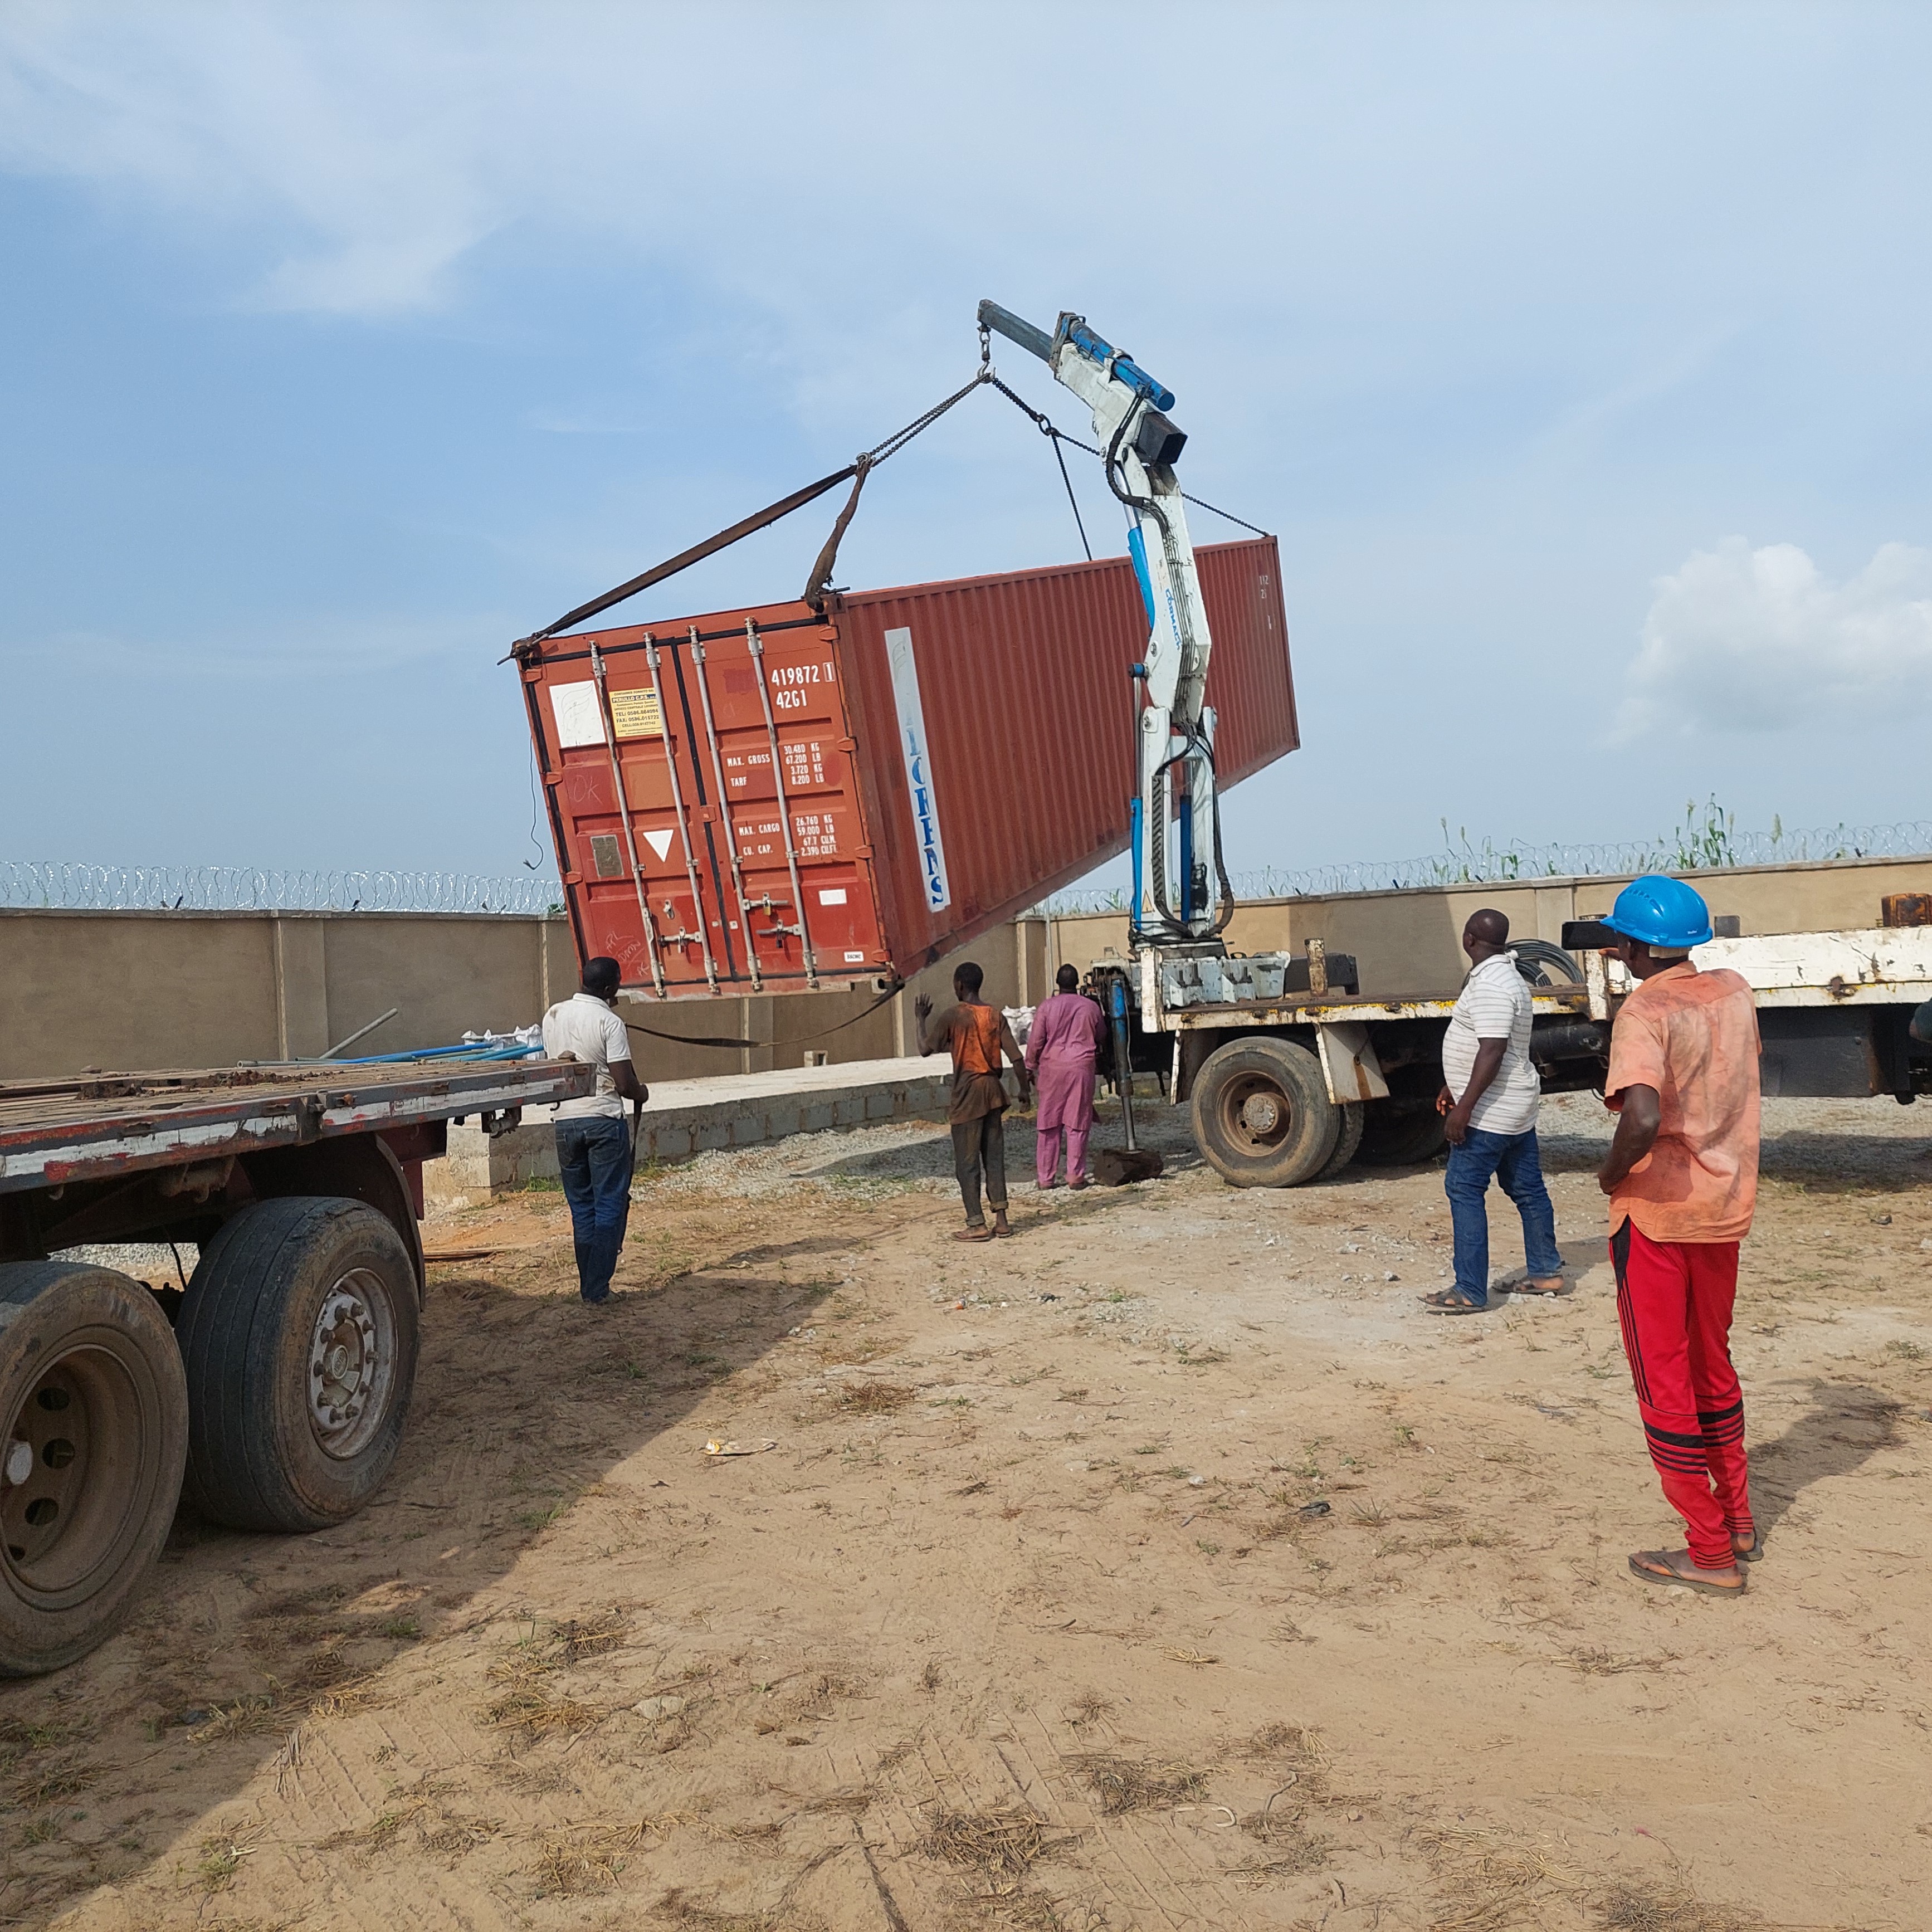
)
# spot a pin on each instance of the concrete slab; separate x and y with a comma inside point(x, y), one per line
point(683, 1117)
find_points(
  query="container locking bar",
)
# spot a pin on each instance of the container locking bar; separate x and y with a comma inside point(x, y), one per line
point(785, 804)
point(724, 805)
point(624, 813)
point(677, 806)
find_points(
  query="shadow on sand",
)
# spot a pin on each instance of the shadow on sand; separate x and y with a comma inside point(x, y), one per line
point(1846, 1425)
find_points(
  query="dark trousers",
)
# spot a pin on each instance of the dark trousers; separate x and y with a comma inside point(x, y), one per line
point(594, 1157)
point(979, 1147)
point(1512, 1159)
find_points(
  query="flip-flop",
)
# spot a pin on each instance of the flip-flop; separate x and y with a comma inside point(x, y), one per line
point(1652, 1566)
point(1527, 1286)
point(1002, 1234)
point(1751, 1555)
point(973, 1234)
point(1448, 1301)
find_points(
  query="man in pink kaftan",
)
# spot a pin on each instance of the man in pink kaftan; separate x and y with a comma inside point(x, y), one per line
point(1062, 1052)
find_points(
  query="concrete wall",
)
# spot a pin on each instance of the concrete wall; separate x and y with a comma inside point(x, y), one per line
point(1407, 945)
point(135, 990)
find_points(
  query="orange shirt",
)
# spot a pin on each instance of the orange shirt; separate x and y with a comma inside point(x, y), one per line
point(973, 1032)
point(1692, 1036)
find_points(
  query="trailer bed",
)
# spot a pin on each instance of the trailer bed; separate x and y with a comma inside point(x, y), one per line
point(101, 1125)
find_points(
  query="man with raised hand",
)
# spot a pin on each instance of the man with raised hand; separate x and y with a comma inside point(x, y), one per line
point(1682, 1180)
point(977, 1035)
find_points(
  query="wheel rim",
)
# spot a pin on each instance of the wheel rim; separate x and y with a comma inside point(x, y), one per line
point(1256, 1113)
point(352, 1363)
point(74, 1469)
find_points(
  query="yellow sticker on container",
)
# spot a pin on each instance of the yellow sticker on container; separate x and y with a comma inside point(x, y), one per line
point(634, 714)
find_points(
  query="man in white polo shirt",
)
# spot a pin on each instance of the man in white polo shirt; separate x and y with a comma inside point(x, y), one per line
point(593, 1144)
point(1490, 1102)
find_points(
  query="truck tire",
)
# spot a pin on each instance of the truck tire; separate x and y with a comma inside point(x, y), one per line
point(299, 1332)
point(1399, 1136)
point(1262, 1113)
point(1348, 1141)
point(95, 1415)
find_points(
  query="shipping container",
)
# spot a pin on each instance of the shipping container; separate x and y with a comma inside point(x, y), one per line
point(778, 798)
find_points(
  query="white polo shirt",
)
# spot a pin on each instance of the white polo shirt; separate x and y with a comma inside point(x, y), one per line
point(585, 1026)
point(1495, 1005)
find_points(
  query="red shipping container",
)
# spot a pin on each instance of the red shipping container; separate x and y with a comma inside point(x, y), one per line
point(768, 799)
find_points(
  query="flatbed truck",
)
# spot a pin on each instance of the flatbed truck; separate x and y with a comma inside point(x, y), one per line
point(271, 1387)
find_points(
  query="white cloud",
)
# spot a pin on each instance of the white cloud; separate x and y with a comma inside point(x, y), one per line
point(1744, 640)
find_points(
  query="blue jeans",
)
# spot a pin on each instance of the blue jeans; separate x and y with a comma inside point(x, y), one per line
point(1512, 1159)
point(594, 1157)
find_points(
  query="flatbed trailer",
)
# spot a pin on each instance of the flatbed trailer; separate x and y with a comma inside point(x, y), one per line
point(1289, 1089)
point(271, 1387)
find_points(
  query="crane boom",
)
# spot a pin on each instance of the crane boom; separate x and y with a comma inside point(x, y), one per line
point(1181, 891)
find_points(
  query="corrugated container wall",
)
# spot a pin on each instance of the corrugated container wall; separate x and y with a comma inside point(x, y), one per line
point(769, 798)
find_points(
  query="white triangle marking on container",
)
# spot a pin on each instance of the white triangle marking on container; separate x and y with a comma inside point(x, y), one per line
point(658, 842)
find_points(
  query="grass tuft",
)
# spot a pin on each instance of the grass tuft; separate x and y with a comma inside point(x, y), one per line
point(1122, 1785)
point(1001, 1844)
point(871, 1398)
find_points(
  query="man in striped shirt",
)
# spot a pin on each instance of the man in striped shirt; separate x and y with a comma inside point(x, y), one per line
point(1489, 1101)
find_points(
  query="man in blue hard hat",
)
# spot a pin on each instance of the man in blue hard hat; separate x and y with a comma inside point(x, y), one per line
point(1682, 1179)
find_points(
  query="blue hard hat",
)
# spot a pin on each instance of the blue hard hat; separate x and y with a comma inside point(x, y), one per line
point(1662, 912)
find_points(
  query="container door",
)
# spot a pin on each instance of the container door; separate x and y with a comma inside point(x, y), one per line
point(785, 749)
point(666, 796)
point(629, 810)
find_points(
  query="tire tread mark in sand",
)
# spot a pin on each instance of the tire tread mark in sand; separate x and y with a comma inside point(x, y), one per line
point(1133, 1882)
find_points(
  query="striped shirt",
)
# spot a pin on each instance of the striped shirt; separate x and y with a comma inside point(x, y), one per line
point(1494, 1005)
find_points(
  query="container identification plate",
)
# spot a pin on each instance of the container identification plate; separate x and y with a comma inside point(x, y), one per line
point(634, 714)
point(918, 768)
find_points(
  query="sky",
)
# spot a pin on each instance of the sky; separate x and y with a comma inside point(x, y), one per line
point(1577, 355)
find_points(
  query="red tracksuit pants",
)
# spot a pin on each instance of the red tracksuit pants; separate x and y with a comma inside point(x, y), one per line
point(1674, 1301)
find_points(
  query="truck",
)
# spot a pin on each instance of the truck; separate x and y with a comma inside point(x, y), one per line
point(1288, 1073)
point(272, 1386)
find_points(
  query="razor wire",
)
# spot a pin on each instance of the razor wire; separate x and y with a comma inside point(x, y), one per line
point(58, 886)
point(1688, 850)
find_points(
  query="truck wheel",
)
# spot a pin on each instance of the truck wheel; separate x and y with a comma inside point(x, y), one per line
point(299, 1331)
point(96, 1431)
point(1399, 1136)
point(1262, 1113)
point(1347, 1142)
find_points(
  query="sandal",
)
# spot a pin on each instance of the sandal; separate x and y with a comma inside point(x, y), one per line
point(1548, 1284)
point(1453, 1301)
point(1654, 1566)
point(982, 1233)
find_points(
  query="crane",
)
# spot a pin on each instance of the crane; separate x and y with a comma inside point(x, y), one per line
point(1179, 898)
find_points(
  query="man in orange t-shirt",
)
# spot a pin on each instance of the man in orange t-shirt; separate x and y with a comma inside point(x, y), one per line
point(977, 1034)
point(1682, 1180)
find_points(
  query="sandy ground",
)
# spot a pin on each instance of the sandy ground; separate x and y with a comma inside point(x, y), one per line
point(1164, 1567)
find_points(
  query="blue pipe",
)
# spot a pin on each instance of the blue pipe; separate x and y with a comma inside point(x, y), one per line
point(1073, 329)
point(1187, 858)
point(1137, 550)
